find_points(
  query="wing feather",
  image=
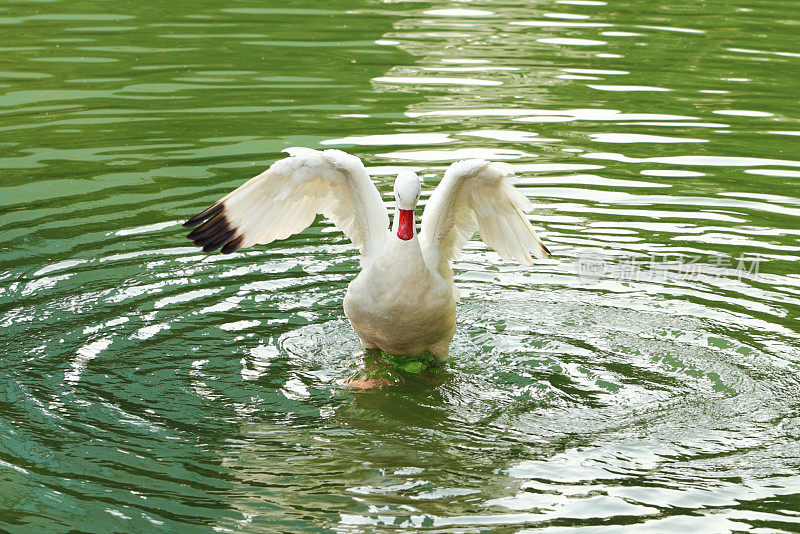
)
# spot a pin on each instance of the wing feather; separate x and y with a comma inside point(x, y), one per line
point(477, 195)
point(285, 199)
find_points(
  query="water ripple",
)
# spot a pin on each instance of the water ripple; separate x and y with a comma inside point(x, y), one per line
point(642, 379)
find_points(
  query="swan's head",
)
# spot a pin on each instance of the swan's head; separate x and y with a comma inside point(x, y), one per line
point(406, 196)
point(406, 190)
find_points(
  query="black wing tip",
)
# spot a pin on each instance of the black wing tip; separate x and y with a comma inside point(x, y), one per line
point(217, 241)
point(208, 213)
point(233, 245)
point(209, 228)
point(214, 231)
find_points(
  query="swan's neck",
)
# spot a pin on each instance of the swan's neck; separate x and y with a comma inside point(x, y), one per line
point(405, 224)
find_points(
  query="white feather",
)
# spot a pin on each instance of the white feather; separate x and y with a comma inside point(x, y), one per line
point(478, 195)
point(286, 198)
point(403, 300)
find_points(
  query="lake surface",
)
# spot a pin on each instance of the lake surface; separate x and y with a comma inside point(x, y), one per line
point(643, 379)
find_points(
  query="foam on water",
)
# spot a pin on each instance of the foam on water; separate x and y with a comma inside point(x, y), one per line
point(642, 379)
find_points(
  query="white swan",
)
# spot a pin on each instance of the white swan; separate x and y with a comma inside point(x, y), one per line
point(403, 300)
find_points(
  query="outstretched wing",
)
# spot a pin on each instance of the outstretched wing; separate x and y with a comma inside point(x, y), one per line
point(286, 198)
point(477, 195)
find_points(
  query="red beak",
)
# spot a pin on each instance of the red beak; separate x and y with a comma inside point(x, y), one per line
point(405, 226)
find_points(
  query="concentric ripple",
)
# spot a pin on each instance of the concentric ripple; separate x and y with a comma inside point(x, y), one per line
point(643, 379)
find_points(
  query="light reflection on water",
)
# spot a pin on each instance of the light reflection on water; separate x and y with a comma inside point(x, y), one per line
point(643, 379)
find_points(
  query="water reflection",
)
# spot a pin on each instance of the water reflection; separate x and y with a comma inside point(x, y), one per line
point(642, 379)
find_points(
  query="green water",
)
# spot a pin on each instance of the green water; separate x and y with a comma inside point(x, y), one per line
point(644, 379)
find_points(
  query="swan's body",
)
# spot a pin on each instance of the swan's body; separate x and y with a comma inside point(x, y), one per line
point(400, 305)
point(403, 300)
